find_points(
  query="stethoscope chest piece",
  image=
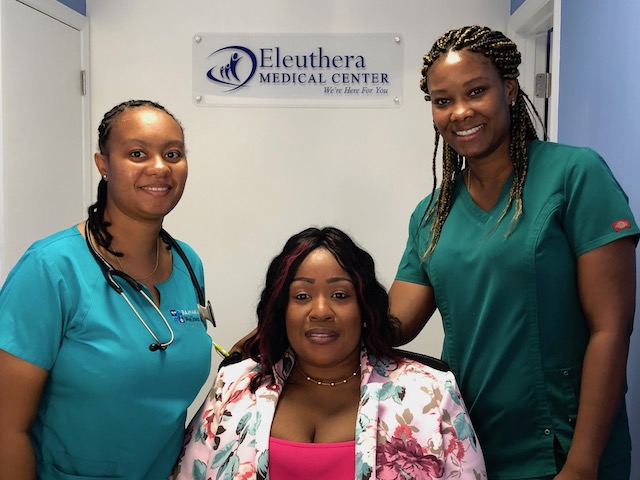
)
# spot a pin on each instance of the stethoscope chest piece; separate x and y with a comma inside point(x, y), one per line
point(206, 313)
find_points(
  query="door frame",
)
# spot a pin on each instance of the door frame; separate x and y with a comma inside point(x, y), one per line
point(79, 22)
point(525, 25)
point(70, 17)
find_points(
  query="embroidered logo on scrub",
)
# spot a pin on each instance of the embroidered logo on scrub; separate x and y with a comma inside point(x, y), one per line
point(183, 317)
point(621, 224)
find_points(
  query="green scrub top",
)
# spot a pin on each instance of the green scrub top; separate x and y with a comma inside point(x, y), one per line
point(111, 408)
point(515, 332)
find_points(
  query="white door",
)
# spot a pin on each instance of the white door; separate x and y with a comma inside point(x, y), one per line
point(44, 170)
point(536, 24)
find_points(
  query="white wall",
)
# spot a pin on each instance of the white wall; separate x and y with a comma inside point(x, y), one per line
point(259, 175)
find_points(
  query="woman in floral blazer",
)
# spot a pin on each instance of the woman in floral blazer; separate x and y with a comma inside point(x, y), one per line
point(323, 315)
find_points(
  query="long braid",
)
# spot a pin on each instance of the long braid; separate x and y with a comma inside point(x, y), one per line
point(97, 224)
point(434, 169)
point(505, 56)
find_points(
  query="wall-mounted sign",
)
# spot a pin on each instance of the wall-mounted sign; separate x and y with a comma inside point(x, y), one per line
point(334, 70)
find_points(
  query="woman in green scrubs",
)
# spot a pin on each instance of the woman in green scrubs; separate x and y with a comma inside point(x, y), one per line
point(527, 250)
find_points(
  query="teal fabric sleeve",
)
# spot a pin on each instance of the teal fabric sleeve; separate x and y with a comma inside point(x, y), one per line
point(597, 210)
point(411, 268)
point(33, 302)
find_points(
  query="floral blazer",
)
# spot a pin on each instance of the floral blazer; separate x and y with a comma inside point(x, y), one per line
point(412, 423)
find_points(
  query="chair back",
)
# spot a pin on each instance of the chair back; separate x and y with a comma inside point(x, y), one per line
point(427, 360)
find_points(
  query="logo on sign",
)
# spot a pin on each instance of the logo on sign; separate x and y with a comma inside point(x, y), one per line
point(235, 66)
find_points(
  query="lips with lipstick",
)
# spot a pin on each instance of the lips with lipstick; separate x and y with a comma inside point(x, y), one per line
point(321, 336)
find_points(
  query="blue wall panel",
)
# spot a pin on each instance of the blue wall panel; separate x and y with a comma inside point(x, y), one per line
point(515, 4)
point(598, 107)
point(79, 6)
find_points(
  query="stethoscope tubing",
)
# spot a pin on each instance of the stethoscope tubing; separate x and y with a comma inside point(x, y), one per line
point(204, 307)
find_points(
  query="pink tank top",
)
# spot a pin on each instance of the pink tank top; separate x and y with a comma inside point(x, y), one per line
point(294, 460)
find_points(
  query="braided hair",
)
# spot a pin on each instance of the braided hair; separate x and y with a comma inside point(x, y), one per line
point(97, 224)
point(504, 54)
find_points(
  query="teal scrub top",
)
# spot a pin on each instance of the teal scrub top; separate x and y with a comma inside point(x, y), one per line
point(515, 332)
point(111, 408)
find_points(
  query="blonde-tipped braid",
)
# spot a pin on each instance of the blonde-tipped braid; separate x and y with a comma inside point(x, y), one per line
point(505, 56)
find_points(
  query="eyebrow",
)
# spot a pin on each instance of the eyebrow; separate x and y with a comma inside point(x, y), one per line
point(329, 280)
point(170, 143)
point(465, 84)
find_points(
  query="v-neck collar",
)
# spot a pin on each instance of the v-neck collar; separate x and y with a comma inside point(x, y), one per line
point(481, 215)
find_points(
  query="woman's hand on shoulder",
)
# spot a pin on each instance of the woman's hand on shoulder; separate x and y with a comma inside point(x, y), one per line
point(412, 304)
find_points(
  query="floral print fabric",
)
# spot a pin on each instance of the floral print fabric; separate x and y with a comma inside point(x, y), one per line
point(412, 424)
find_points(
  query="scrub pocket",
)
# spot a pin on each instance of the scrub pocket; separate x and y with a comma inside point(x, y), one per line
point(58, 475)
point(74, 468)
point(563, 390)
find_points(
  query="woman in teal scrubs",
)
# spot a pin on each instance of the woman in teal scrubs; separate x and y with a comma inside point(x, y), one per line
point(527, 249)
point(82, 394)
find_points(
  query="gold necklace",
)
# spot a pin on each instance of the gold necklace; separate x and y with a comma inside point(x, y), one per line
point(154, 268)
point(326, 384)
point(469, 180)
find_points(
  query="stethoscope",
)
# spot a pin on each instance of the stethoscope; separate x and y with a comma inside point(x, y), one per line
point(205, 310)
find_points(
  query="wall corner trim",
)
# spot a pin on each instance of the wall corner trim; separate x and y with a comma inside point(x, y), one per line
point(532, 15)
point(59, 11)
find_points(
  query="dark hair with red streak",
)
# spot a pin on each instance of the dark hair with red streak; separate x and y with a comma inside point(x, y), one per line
point(270, 342)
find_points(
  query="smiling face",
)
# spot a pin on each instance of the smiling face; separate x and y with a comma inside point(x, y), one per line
point(145, 165)
point(470, 104)
point(322, 318)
